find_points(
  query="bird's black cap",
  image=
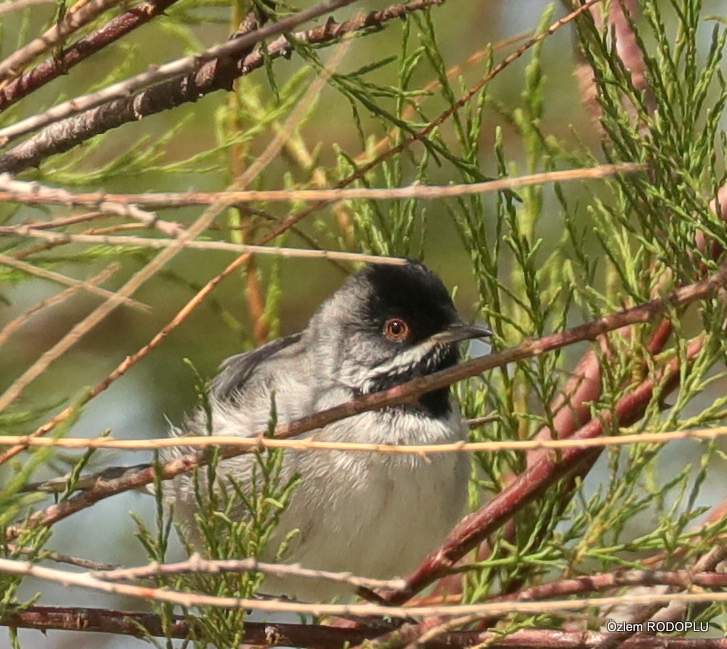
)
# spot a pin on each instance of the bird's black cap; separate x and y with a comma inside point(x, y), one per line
point(410, 291)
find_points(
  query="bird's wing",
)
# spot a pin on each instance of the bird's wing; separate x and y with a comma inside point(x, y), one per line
point(236, 370)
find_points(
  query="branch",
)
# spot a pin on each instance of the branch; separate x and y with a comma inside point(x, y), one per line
point(210, 77)
point(197, 565)
point(158, 73)
point(407, 392)
point(307, 445)
point(89, 581)
point(132, 623)
point(225, 246)
point(54, 67)
point(33, 193)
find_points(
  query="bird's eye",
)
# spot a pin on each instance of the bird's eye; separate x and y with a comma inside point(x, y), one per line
point(396, 330)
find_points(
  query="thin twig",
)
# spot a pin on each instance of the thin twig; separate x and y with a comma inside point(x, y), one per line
point(197, 565)
point(64, 280)
point(306, 445)
point(189, 599)
point(421, 192)
point(225, 246)
point(16, 323)
point(34, 191)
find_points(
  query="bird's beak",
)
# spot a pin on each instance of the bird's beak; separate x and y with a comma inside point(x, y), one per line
point(459, 332)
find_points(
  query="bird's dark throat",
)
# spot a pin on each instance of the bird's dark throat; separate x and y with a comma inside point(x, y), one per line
point(434, 403)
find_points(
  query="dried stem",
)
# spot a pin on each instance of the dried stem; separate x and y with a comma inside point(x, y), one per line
point(32, 193)
point(58, 278)
point(225, 246)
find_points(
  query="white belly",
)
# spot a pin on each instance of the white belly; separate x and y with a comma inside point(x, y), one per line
point(370, 514)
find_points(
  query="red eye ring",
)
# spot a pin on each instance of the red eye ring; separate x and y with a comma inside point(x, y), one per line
point(396, 330)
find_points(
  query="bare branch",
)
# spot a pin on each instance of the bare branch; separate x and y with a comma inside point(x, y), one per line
point(271, 634)
point(307, 445)
point(198, 565)
point(89, 581)
point(35, 194)
point(210, 77)
point(58, 278)
point(157, 73)
point(225, 246)
point(53, 67)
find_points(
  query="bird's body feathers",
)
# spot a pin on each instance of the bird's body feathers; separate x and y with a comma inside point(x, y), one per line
point(369, 514)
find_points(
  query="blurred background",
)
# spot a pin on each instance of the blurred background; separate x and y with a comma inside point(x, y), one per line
point(186, 149)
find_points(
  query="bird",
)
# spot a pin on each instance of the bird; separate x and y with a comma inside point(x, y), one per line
point(372, 515)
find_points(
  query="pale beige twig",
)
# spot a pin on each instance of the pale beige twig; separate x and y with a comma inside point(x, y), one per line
point(53, 36)
point(422, 192)
point(169, 70)
point(226, 246)
point(198, 565)
point(35, 192)
point(18, 5)
point(306, 445)
point(58, 278)
point(187, 599)
point(16, 323)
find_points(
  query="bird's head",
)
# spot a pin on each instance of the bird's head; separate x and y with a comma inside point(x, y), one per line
point(386, 325)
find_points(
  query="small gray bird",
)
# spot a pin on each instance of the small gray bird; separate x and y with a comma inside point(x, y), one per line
point(369, 514)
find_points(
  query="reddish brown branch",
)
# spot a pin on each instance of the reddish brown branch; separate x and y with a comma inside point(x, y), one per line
point(529, 485)
point(54, 67)
point(210, 77)
point(46, 618)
